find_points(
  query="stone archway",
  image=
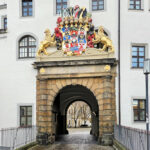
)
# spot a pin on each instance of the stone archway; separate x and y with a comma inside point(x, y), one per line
point(64, 98)
point(95, 76)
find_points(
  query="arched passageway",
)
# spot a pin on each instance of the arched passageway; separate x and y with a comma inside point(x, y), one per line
point(65, 97)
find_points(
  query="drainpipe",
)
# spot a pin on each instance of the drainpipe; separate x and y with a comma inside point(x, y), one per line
point(119, 87)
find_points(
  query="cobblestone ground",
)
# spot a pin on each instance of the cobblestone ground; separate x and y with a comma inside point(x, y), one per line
point(78, 139)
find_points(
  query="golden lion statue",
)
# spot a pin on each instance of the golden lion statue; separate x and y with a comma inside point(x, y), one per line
point(48, 42)
point(102, 38)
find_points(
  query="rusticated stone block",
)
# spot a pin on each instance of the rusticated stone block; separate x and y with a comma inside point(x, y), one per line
point(99, 97)
point(107, 84)
point(63, 82)
point(43, 97)
point(42, 129)
point(54, 88)
point(107, 106)
point(42, 124)
point(53, 82)
point(90, 83)
point(50, 102)
point(52, 93)
point(79, 81)
point(74, 81)
point(107, 95)
point(107, 112)
point(44, 108)
point(41, 102)
point(107, 101)
point(44, 119)
point(44, 113)
point(100, 102)
point(107, 118)
point(59, 84)
point(85, 81)
point(97, 92)
point(68, 82)
point(50, 98)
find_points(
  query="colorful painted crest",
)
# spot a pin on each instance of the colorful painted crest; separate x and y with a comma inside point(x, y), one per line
point(75, 33)
point(74, 40)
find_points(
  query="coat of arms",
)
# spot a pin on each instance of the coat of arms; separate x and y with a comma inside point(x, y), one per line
point(75, 33)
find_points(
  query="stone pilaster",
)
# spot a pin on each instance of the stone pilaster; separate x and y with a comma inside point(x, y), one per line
point(44, 114)
point(107, 115)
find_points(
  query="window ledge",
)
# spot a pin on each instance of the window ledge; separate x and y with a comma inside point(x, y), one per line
point(133, 68)
point(26, 59)
point(136, 10)
point(139, 122)
point(101, 10)
point(3, 6)
point(3, 31)
point(26, 17)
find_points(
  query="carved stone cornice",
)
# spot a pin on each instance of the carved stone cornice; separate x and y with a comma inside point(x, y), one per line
point(110, 61)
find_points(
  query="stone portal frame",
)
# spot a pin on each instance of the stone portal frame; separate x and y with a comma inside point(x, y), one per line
point(97, 75)
point(102, 87)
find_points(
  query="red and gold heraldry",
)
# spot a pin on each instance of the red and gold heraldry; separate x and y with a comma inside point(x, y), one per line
point(75, 33)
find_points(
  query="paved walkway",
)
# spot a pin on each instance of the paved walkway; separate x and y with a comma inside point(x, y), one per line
point(75, 141)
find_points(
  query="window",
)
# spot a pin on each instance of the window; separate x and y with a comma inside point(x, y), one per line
point(60, 5)
point(25, 116)
point(138, 56)
point(5, 23)
point(97, 5)
point(135, 4)
point(27, 8)
point(27, 47)
point(139, 110)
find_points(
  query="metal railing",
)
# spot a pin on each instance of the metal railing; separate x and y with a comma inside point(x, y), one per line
point(132, 139)
point(12, 138)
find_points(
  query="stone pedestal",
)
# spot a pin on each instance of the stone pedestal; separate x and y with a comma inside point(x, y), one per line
point(106, 140)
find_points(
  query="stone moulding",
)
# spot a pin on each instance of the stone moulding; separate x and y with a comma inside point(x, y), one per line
point(109, 61)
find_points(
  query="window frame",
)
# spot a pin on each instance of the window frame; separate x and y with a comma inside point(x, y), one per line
point(21, 6)
point(28, 46)
point(139, 109)
point(61, 4)
point(5, 23)
point(134, 5)
point(94, 10)
point(26, 116)
point(138, 57)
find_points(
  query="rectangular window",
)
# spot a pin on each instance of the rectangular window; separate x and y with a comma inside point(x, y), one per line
point(25, 116)
point(5, 23)
point(138, 56)
point(27, 8)
point(135, 4)
point(139, 109)
point(97, 5)
point(60, 5)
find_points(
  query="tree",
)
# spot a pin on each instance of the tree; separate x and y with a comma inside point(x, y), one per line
point(78, 112)
point(86, 112)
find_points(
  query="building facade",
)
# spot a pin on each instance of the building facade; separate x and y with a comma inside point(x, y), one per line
point(22, 23)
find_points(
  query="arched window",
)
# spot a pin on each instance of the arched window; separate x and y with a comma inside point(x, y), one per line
point(27, 47)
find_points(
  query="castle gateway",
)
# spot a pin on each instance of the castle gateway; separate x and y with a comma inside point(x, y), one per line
point(75, 63)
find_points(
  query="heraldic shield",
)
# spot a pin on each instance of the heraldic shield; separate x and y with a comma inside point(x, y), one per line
point(74, 40)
